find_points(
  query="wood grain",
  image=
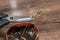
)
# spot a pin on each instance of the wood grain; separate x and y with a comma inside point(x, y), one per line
point(48, 31)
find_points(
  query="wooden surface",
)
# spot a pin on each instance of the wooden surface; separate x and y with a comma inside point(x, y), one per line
point(48, 31)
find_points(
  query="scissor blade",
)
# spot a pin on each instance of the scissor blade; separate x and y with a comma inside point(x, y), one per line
point(19, 19)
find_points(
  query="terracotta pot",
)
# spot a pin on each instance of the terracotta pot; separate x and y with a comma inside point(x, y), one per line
point(23, 24)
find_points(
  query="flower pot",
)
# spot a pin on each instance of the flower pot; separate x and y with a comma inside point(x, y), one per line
point(18, 29)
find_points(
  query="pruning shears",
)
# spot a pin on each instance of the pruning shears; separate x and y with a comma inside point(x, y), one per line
point(5, 19)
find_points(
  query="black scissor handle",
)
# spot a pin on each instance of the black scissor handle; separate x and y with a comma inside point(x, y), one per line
point(3, 22)
point(2, 15)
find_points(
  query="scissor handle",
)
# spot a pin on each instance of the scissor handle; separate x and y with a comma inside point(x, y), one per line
point(3, 22)
point(3, 15)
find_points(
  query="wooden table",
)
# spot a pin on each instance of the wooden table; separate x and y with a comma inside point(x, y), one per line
point(48, 31)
